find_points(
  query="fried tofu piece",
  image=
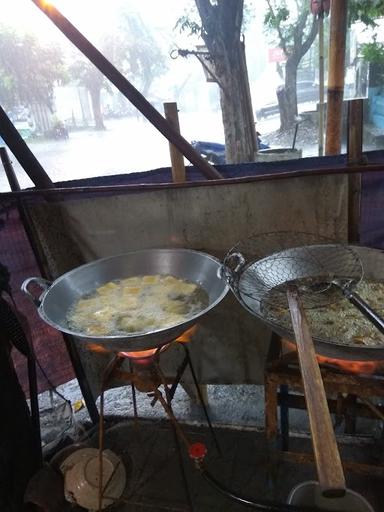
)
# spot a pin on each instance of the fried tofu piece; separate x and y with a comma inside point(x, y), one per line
point(131, 290)
point(104, 314)
point(131, 281)
point(107, 288)
point(96, 330)
point(150, 279)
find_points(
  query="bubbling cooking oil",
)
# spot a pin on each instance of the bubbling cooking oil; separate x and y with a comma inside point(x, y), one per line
point(137, 305)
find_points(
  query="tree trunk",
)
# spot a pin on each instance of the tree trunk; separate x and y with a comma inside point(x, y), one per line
point(287, 96)
point(221, 23)
point(95, 93)
point(294, 49)
point(236, 108)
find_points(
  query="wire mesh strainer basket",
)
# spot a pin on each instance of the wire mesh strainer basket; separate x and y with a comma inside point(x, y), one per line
point(260, 269)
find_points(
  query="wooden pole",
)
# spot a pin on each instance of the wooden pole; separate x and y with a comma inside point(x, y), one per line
point(355, 132)
point(177, 159)
point(126, 88)
point(355, 158)
point(337, 41)
point(328, 463)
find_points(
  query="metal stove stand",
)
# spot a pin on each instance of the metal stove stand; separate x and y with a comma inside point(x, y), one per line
point(146, 376)
point(349, 398)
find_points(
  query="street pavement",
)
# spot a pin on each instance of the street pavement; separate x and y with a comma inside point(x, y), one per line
point(127, 145)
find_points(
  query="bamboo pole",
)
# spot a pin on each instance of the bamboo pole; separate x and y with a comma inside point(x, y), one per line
point(177, 159)
point(126, 88)
point(337, 42)
point(321, 83)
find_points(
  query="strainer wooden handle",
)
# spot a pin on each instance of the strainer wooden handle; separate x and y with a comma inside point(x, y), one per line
point(328, 463)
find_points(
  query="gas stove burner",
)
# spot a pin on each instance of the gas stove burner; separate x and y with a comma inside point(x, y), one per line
point(144, 357)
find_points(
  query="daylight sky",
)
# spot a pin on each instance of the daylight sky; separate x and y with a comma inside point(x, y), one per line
point(90, 16)
point(95, 18)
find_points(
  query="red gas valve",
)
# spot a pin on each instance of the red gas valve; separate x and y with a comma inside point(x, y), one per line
point(197, 452)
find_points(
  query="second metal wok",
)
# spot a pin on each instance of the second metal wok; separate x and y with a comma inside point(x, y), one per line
point(58, 297)
point(373, 268)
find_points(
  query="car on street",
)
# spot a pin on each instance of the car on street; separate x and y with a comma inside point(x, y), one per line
point(214, 152)
point(306, 91)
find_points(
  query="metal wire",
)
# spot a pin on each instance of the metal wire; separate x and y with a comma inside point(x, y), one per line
point(261, 245)
point(259, 269)
point(319, 271)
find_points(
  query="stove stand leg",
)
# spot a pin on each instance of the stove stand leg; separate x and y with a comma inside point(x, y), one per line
point(270, 407)
point(284, 417)
point(106, 377)
point(178, 433)
point(182, 469)
point(134, 400)
point(202, 401)
point(350, 414)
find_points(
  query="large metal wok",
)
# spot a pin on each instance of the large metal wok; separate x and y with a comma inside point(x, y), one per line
point(372, 261)
point(58, 297)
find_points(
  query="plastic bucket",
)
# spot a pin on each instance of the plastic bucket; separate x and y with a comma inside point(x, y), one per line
point(309, 494)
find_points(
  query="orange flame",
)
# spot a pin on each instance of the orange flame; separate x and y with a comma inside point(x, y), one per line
point(187, 335)
point(356, 367)
point(94, 347)
point(144, 354)
point(347, 366)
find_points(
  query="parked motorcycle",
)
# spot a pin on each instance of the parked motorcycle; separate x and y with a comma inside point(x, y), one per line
point(58, 132)
point(214, 152)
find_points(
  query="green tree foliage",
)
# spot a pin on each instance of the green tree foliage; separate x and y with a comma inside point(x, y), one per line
point(133, 50)
point(141, 59)
point(374, 54)
point(295, 28)
point(366, 11)
point(85, 74)
point(28, 70)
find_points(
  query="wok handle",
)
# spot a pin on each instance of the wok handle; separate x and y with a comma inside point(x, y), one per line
point(369, 313)
point(328, 463)
point(231, 266)
point(39, 281)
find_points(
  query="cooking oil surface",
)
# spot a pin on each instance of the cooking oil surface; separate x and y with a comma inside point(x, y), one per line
point(137, 305)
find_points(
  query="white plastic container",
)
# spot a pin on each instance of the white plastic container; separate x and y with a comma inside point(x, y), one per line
point(309, 494)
